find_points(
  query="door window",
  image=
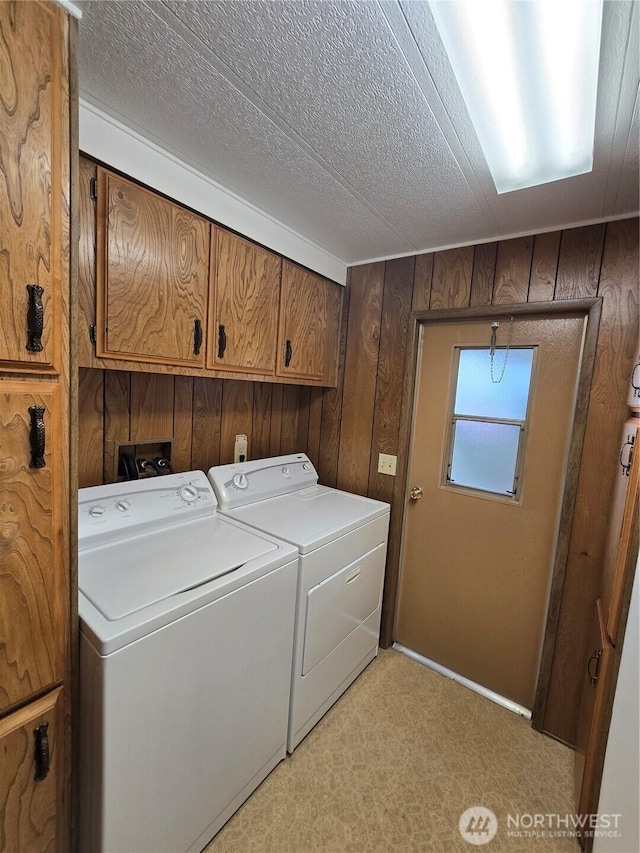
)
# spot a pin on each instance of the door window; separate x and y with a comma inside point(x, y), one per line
point(488, 419)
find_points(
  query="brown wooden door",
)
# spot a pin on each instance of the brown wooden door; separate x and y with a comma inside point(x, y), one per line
point(34, 213)
point(476, 566)
point(245, 298)
point(152, 276)
point(34, 606)
point(31, 782)
point(310, 309)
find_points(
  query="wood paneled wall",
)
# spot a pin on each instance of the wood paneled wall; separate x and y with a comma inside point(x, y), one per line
point(599, 260)
point(344, 429)
point(201, 416)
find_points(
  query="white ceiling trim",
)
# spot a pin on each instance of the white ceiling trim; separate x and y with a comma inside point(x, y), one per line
point(111, 142)
point(599, 221)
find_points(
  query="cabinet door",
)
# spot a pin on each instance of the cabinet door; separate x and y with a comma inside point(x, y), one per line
point(152, 276)
point(243, 328)
point(310, 310)
point(34, 214)
point(32, 777)
point(34, 605)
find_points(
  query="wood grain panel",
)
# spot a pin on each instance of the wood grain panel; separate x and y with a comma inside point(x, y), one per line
point(237, 411)
point(34, 179)
point(33, 612)
point(363, 341)
point(422, 282)
point(303, 414)
point(544, 265)
point(152, 403)
point(117, 402)
point(289, 431)
point(152, 274)
point(315, 425)
point(276, 420)
point(391, 362)
point(484, 272)
point(513, 268)
point(86, 261)
point(182, 423)
point(32, 818)
point(247, 296)
point(617, 344)
point(451, 284)
point(261, 423)
point(91, 436)
point(579, 262)
point(332, 407)
point(207, 423)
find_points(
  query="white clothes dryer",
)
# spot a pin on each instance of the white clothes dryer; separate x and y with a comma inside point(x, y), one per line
point(342, 544)
point(186, 644)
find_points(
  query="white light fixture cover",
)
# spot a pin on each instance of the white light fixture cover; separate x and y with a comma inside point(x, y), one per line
point(528, 72)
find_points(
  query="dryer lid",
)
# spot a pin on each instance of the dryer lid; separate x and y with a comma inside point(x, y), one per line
point(309, 518)
point(128, 576)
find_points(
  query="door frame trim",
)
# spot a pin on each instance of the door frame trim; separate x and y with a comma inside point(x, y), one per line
point(591, 309)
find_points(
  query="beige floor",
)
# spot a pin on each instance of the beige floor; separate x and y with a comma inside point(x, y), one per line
point(392, 766)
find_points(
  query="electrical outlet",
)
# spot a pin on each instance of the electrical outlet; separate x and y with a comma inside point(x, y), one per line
point(387, 464)
point(240, 449)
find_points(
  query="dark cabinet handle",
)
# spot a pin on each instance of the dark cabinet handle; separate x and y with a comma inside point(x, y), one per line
point(197, 336)
point(595, 657)
point(288, 352)
point(37, 437)
point(35, 318)
point(42, 756)
point(222, 341)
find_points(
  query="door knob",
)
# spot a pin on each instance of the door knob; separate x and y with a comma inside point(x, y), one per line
point(416, 493)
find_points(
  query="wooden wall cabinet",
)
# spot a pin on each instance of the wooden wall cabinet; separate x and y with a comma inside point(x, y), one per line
point(244, 298)
point(32, 782)
point(309, 328)
point(33, 153)
point(32, 609)
point(149, 274)
point(36, 503)
point(152, 276)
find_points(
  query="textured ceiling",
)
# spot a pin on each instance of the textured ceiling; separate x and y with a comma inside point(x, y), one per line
point(342, 120)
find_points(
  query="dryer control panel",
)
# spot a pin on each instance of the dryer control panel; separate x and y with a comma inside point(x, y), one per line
point(121, 510)
point(246, 482)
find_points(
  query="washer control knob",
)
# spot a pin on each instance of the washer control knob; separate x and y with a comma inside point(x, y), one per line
point(286, 471)
point(123, 506)
point(188, 493)
point(96, 511)
point(240, 481)
point(306, 466)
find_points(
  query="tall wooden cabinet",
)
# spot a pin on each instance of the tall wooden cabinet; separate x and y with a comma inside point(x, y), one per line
point(36, 557)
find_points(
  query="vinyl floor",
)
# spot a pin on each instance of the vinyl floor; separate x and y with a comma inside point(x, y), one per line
point(393, 766)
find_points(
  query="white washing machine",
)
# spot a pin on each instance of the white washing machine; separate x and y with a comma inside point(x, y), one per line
point(186, 644)
point(342, 544)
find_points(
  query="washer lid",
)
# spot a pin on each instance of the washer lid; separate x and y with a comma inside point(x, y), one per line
point(309, 518)
point(126, 577)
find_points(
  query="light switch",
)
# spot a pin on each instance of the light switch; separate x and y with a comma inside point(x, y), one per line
point(387, 464)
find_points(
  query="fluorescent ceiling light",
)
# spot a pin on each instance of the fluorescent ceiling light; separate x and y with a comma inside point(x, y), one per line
point(528, 72)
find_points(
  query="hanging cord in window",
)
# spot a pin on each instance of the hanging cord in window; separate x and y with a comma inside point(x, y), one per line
point(492, 350)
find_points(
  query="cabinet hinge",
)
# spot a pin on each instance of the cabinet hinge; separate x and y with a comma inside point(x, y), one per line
point(92, 333)
point(93, 188)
